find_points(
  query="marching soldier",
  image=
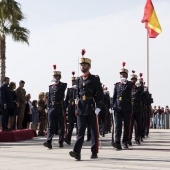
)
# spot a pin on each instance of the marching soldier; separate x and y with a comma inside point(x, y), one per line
point(148, 113)
point(56, 113)
point(108, 114)
point(70, 104)
point(136, 99)
point(89, 100)
point(145, 97)
point(122, 108)
point(104, 113)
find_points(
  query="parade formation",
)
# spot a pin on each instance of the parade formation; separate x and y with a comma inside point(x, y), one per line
point(88, 105)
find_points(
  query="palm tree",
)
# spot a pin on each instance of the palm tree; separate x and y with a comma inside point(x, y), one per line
point(10, 18)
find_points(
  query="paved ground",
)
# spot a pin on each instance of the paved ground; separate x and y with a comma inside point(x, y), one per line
point(152, 154)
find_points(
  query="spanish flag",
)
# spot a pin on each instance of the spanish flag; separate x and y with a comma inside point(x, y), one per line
point(151, 20)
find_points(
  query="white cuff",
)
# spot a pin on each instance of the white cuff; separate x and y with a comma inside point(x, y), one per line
point(97, 110)
point(76, 101)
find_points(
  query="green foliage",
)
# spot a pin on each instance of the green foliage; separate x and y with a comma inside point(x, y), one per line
point(10, 17)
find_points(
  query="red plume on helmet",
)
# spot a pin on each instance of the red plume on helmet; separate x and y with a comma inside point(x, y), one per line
point(54, 66)
point(73, 73)
point(123, 64)
point(83, 52)
point(140, 74)
point(133, 71)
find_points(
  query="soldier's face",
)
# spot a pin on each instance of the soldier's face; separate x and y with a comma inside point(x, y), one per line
point(123, 75)
point(57, 77)
point(85, 67)
point(134, 80)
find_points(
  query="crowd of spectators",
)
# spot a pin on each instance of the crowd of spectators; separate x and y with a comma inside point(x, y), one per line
point(158, 116)
point(18, 111)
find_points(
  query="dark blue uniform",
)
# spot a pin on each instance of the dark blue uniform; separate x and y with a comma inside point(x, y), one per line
point(136, 111)
point(56, 111)
point(70, 104)
point(89, 94)
point(148, 113)
point(5, 99)
point(108, 115)
point(104, 115)
point(122, 110)
point(145, 103)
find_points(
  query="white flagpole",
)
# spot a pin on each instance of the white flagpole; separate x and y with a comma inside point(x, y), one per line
point(78, 68)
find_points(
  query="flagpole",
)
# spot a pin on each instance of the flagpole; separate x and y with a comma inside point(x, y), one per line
point(147, 59)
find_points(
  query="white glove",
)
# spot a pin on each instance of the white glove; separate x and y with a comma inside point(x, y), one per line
point(111, 111)
point(145, 89)
point(97, 110)
point(76, 101)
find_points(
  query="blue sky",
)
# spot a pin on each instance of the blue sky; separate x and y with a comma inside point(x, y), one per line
point(111, 32)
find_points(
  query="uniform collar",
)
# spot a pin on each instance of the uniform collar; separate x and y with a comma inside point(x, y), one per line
point(125, 82)
point(85, 76)
point(56, 84)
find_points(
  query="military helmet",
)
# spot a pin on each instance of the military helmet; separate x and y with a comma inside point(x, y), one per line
point(84, 60)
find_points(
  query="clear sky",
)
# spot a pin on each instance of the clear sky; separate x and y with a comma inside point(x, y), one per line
point(111, 32)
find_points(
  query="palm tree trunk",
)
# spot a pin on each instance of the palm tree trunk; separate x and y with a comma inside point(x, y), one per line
point(2, 58)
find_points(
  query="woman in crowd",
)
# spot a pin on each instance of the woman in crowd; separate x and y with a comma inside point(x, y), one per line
point(28, 112)
point(42, 114)
point(35, 115)
point(13, 105)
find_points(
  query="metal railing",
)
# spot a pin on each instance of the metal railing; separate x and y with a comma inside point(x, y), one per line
point(161, 121)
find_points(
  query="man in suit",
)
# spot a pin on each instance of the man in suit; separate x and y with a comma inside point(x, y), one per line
point(4, 100)
point(89, 100)
point(56, 113)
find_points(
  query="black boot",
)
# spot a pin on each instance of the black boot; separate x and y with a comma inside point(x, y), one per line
point(138, 141)
point(48, 145)
point(130, 143)
point(94, 156)
point(125, 145)
point(67, 141)
point(117, 146)
point(75, 155)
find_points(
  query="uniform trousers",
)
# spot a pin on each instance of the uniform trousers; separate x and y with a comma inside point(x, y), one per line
point(82, 122)
point(55, 118)
point(136, 116)
point(119, 117)
point(71, 121)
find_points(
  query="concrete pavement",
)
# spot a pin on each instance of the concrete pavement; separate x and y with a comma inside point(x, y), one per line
point(152, 154)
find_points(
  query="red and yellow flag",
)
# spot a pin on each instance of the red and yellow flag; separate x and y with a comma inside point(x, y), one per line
point(151, 20)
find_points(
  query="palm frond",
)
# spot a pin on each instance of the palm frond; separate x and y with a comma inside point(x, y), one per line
point(7, 31)
point(19, 34)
